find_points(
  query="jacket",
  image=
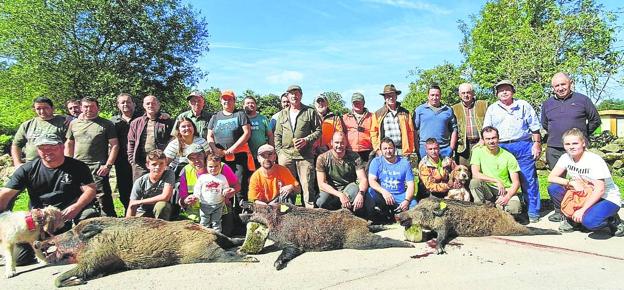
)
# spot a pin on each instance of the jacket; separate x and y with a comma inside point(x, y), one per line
point(480, 107)
point(307, 126)
point(405, 123)
point(358, 139)
point(162, 134)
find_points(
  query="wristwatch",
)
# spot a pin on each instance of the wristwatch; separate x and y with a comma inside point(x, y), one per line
point(109, 166)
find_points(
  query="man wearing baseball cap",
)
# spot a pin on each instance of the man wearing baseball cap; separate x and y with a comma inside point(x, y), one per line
point(330, 123)
point(394, 122)
point(519, 133)
point(196, 113)
point(52, 179)
point(271, 182)
point(298, 127)
point(358, 124)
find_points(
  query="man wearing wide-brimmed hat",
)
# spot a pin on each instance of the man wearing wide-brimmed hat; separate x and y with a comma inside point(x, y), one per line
point(394, 122)
point(519, 130)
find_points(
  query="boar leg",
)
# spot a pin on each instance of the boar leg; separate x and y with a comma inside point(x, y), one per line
point(83, 271)
point(288, 253)
point(442, 233)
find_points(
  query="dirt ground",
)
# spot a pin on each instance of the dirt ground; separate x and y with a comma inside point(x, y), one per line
point(571, 261)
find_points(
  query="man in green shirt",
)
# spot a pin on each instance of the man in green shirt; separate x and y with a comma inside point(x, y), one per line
point(261, 133)
point(495, 174)
point(197, 114)
point(88, 140)
point(45, 123)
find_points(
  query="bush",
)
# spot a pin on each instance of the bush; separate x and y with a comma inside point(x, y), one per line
point(5, 142)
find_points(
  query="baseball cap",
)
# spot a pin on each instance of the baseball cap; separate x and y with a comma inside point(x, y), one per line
point(228, 94)
point(293, 87)
point(357, 97)
point(48, 139)
point(193, 148)
point(194, 94)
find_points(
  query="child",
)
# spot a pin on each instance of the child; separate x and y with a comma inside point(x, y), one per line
point(151, 192)
point(210, 190)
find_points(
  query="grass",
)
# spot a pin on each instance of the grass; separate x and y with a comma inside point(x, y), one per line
point(21, 204)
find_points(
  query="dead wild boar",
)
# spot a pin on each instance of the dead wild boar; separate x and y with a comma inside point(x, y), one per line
point(296, 230)
point(453, 218)
point(102, 246)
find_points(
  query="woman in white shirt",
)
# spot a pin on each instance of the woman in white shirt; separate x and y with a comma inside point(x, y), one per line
point(602, 205)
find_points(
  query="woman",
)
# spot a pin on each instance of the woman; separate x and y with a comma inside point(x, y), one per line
point(602, 205)
point(176, 149)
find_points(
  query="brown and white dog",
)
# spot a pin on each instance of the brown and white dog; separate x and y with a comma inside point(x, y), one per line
point(26, 227)
point(459, 179)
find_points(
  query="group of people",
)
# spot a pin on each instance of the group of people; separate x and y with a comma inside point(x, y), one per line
point(207, 162)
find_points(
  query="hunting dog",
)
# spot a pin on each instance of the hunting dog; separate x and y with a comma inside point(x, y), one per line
point(459, 179)
point(26, 227)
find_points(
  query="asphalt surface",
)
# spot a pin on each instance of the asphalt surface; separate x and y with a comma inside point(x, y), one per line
point(570, 261)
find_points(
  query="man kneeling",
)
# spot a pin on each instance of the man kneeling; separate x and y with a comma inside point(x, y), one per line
point(337, 171)
point(151, 192)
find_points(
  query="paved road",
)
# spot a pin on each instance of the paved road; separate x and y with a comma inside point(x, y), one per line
point(571, 261)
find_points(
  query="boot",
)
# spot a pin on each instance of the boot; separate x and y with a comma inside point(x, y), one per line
point(556, 216)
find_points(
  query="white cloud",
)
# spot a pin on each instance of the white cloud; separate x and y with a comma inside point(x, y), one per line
point(287, 76)
point(414, 5)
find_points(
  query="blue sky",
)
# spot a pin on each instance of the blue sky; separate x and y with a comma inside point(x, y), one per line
point(342, 46)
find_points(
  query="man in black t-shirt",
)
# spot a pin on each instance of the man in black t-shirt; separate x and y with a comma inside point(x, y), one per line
point(52, 179)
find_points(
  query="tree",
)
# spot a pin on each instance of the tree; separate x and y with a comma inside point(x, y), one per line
point(77, 48)
point(447, 76)
point(336, 103)
point(528, 41)
point(611, 104)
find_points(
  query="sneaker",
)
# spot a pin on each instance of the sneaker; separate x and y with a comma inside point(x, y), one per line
point(534, 219)
point(555, 217)
point(616, 226)
point(566, 226)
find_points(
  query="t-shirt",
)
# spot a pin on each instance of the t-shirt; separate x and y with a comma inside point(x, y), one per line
point(33, 128)
point(228, 128)
point(143, 188)
point(591, 167)
point(339, 173)
point(91, 139)
point(185, 187)
point(259, 128)
point(209, 188)
point(172, 150)
point(392, 176)
point(51, 186)
point(265, 187)
point(498, 166)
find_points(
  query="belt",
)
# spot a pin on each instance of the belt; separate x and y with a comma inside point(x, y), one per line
point(505, 142)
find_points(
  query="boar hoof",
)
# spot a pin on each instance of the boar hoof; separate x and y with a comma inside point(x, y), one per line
point(279, 264)
point(250, 260)
point(71, 281)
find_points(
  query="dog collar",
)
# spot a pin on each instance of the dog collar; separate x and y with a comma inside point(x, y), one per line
point(30, 222)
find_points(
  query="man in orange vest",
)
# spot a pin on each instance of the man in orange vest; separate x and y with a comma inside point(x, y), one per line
point(358, 124)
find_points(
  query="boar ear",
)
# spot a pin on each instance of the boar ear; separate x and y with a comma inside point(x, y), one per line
point(283, 208)
point(441, 209)
point(89, 231)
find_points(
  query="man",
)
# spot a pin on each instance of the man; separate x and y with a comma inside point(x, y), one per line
point(341, 178)
point(561, 112)
point(197, 114)
point(330, 123)
point(272, 182)
point(88, 140)
point(260, 131)
point(151, 192)
point(394, 122)
point(298, 127)
point(434, 120)
point(284, 102)
point(519, 128)
point(51, 179)
point(123, 171)
point(45, 123)
point(470, 114)
point(391, 183)
point(73, 109)
point(146, 133)
point(433, 171)
point(358, 124)
point(495, 174)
